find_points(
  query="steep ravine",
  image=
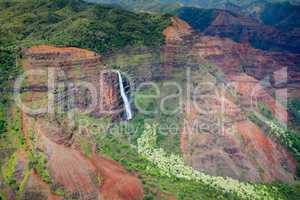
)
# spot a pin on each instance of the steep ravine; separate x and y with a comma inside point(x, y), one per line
point(236, 148)
point(78, 175)
point(246, 154)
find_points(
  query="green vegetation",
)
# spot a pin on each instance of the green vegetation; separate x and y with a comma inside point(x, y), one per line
point(160, 108)
point(8, 70)
point(77, 23)
point(10, 167)
point(173, 165)
point(38, 162)
point(9, 172)
point(283, 135)
point(10, 141)
point(23, 183)
point(103, 28)
point(85, 145)
point(64, 23)
point(265, 111)
point(293, 107)
point(118, 141)
point(142, 5)
point(291, 192)
point(60, 192)
point(117, 146)
point(14, 141)
point(67, 23)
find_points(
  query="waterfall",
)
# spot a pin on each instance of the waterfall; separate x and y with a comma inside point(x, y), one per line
point(125, 98)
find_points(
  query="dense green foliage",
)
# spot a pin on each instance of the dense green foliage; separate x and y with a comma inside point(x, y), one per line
point(77, 23)
point(8, 70)
point(9, 172)
point(293, 106)
point(141, 5)
point(24, 23)
point(38, 162)
point(100, 28)
point(277, 131)
point(117, 145)
point(10, 142)
point(173, 165)
point(69, 23)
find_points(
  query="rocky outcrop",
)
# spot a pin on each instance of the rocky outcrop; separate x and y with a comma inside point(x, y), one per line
point(36, 188)
point(235, 58)
point(252, 93)
point(78, 77)
point(88, 178)
point(225, 142)
point(233, 146)
point(217, 137)
point(78, 175)
point(240, 28)
point(177, 30)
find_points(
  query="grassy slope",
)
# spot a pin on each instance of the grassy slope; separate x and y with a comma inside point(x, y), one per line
point(117, 146)
point(99, 28)
point(142, 5)
point(24, 23)
point(76, 23)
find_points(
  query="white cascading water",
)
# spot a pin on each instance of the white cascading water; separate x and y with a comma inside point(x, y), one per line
point(125, 98)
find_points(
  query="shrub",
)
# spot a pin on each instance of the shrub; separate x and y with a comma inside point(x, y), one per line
point(174, 166)
point(38, 162)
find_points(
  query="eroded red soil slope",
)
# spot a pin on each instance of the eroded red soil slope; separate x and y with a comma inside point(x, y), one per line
point(217, 137)
point(87, 177)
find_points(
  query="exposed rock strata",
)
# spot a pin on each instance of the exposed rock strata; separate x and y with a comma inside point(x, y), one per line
point(226, 143)
point(78, 175)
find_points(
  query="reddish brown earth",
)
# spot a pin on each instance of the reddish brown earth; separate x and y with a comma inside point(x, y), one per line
point(93, 176)
point(252, 72)
point(85, 177)
point(177, 30)
point(71, 52)
point(242, 151)
point(249, 30)
point(253, 92)
point(77, 68)
point(227, 143)
point(37, 189)
point(273, 156)
point(116, 183)
point(234, 57)
point(21, 162)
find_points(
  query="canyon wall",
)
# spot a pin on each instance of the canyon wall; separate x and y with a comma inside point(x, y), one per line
point(76, 77)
